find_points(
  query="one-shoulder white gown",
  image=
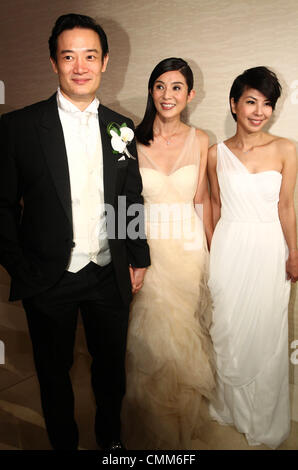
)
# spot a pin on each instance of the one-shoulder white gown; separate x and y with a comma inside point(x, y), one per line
point(250, 295)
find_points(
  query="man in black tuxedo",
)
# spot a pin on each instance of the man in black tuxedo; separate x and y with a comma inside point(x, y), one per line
point(57, 158)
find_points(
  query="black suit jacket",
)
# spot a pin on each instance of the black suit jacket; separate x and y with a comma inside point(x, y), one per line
point(36, 235)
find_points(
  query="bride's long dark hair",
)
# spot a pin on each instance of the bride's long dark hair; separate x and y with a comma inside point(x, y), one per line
point(144, 131)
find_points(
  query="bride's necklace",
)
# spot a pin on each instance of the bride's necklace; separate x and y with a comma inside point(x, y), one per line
point(167, 140)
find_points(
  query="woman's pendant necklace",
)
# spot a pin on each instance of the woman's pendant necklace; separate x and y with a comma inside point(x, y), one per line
point(167, 140)
point(247, 151)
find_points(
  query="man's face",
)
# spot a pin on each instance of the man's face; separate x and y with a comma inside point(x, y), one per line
point(79, 65)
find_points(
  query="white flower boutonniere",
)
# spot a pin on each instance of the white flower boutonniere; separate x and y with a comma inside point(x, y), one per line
point(121, 137)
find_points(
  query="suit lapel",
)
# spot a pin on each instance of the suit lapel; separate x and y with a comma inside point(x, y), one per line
point(52, 140)
point(53, 144)
point(109, 160)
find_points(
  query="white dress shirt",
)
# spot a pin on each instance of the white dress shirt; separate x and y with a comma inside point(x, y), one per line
point(84, 153)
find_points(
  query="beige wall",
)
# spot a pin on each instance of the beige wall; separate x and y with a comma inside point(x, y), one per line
point(219, 38)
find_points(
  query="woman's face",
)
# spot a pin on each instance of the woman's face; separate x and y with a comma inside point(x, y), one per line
point(170, 94)
point(253, 110)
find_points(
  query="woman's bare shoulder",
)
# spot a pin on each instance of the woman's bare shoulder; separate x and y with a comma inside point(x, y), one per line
point(202, 135)
point(284, 149)
point(212, 151)
point(284, 144)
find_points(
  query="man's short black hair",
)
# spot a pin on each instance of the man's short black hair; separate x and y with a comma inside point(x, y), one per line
point(71, 21)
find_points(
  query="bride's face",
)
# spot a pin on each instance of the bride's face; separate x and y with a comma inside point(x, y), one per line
point(170, 94)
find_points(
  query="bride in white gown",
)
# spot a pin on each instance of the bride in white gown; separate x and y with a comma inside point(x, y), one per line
point(253, 257)
point(169, 352)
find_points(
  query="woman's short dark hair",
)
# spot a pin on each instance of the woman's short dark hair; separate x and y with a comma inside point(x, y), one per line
point(144, 131)
point(71, 21)
point(259, 78)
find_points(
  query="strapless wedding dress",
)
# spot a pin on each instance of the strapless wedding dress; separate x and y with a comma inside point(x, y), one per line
point(169, 351)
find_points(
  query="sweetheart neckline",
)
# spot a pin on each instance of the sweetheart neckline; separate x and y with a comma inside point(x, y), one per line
point(165, 174)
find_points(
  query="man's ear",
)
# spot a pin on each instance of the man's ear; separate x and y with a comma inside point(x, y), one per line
point(191, 95)
point(105, 63)
point(54, 65)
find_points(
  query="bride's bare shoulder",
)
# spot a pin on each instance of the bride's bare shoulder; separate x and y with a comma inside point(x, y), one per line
point(203, 136)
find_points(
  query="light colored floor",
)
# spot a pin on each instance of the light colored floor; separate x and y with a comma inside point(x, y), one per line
point(22, 425)
point(21, 422)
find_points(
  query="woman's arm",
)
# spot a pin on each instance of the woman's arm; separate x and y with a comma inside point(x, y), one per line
point(202, 193)
point(213, 182)
point(286, 207)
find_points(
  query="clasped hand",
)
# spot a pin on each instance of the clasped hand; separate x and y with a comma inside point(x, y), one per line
point(137, 278)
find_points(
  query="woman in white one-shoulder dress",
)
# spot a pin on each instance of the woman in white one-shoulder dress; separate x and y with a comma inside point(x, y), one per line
point(253, 258)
